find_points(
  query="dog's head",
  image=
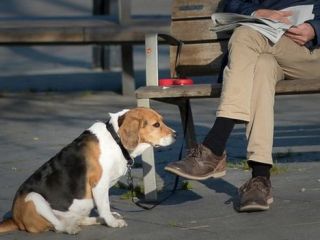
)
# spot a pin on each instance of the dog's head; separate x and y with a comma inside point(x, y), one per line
point(141, 127)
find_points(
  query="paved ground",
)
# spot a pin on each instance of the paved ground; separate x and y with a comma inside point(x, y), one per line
point(35, 126)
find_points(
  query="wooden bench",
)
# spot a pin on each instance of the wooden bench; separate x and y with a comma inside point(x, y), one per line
point(201, 54)
point(100, 29)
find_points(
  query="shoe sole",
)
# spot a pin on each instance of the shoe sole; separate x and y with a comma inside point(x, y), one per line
point(254, 207)
point(212, 175)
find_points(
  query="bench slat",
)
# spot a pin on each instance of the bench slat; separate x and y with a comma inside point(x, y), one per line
point(198, 59)
point(77, 30)
point(133, 32)
point(214, 90)
point(191, 91)
point(56, 22)
point(298, 86)
point(40, 35)
point(193, 8)
point(196, 31)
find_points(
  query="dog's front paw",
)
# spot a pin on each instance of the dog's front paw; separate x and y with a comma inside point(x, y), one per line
point(73, 230)
point(70, 229)
point(117, 215)
point(117, 223)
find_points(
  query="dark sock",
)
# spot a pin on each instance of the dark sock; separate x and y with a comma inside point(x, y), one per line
point(260, 169)
point(218, 135)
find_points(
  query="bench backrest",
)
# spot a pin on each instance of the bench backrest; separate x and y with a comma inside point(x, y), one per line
point(202, 49)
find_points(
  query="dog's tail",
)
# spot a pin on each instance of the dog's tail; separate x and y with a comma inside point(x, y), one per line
point(8, 225)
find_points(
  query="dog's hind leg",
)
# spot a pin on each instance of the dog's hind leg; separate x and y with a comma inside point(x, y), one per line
point(43, 209)
point(26, 216)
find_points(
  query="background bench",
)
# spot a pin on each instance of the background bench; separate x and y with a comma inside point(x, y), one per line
point(201, 54)
point(111, 24)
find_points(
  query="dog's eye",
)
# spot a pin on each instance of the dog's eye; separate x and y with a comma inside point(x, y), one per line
point(156, 125)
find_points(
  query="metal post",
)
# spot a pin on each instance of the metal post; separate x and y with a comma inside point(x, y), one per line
point(148, 163)
point(152, 74)
point(148, 166)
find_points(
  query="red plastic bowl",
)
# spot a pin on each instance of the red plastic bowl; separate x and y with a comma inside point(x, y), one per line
point(183, 81)
point(166, 82)
point(175, 81)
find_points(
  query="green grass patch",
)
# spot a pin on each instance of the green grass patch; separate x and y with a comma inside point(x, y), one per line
point(173, 223)
point(137, 192)
point(186, 185)
point(278, 169)
point(243, 165)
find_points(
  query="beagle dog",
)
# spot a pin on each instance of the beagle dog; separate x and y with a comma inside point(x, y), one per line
point(61, 194)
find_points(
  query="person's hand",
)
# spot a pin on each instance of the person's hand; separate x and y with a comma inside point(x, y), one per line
point(281, 16)
point(301, 34)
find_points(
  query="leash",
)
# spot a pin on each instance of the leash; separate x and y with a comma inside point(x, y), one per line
point(130, 163)
point(176, 181)
point(131, 187)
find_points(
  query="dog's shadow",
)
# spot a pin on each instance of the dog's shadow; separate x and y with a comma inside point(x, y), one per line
point(7, 215)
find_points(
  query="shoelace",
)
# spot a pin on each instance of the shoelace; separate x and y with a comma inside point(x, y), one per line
point(195, 152)
point(257, 182)
point(193, 155)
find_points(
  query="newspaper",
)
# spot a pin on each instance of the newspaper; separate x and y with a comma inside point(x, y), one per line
point(272, 29)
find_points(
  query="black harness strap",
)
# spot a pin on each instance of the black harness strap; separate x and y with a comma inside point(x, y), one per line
point(118, 141)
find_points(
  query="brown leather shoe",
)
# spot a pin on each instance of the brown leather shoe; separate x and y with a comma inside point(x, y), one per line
point(255, 195)
point(199, 164)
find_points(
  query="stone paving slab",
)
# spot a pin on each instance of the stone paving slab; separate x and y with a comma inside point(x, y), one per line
point(35, 126)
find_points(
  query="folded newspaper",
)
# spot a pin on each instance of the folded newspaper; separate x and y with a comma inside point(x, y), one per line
point(272, 29)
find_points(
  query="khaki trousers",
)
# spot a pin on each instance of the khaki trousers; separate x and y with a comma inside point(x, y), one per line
point(255, 66)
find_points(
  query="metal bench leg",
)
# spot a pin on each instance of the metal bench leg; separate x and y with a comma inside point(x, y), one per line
point(128, 81)
point(187, 122)
point(148, 166)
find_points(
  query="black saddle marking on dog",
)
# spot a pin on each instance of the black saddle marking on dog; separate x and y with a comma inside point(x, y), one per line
point(62, 179)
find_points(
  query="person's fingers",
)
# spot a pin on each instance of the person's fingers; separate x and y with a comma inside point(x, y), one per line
point(281, 16)
point(293, 36)
point(301, 43)
point(296, 38)
point(294, 30)
point(285, 13)
point(285, 20)
point(301, 34)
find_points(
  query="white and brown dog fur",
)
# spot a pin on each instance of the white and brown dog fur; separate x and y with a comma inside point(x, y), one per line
point(61, 194)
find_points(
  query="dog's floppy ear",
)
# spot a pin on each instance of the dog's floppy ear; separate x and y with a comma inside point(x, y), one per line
point(129, 131)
